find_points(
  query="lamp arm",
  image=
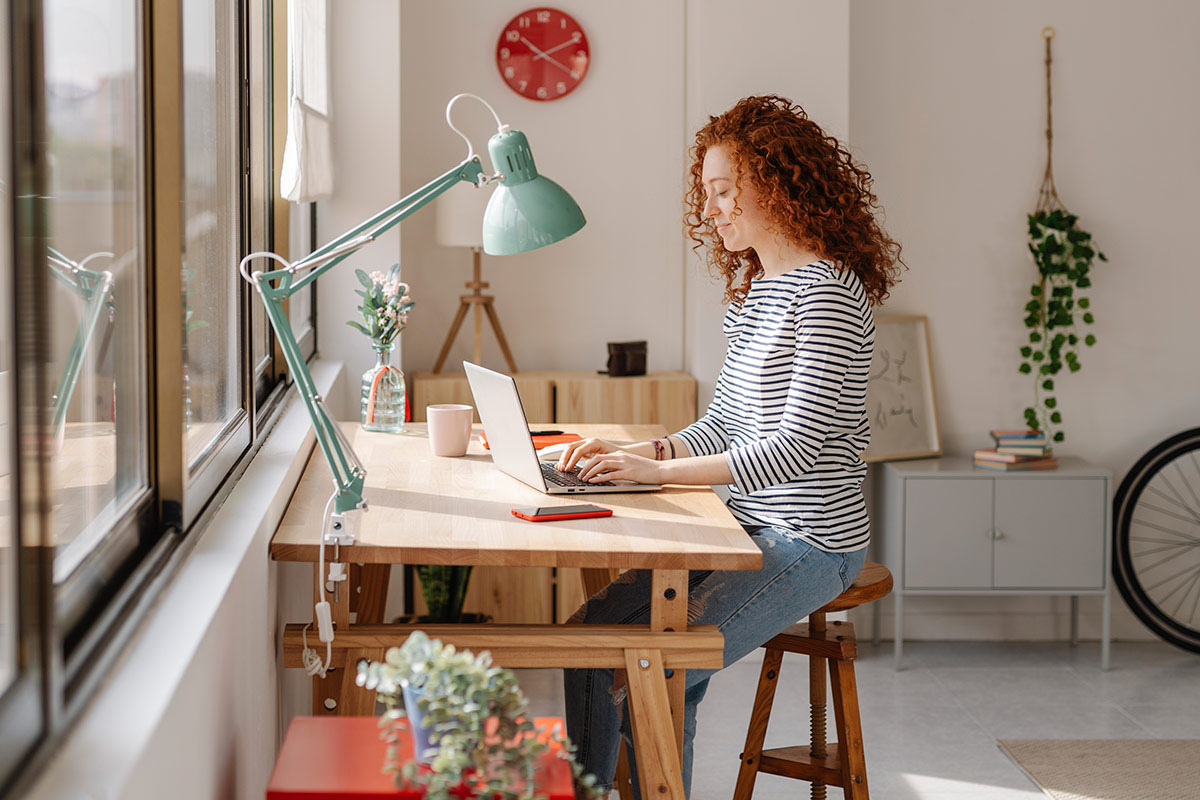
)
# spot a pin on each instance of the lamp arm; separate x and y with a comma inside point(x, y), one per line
point(278, 285)
point(319, 260)
point(93, 288)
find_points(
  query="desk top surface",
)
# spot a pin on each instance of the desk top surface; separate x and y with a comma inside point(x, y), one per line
point(423, 509)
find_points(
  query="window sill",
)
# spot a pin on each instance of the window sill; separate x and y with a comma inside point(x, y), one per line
point(191, 708)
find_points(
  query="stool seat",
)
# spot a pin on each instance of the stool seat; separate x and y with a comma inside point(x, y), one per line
point(873, 582)
point(822, 763)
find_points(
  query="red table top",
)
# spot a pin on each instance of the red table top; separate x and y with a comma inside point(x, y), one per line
point(341, 758)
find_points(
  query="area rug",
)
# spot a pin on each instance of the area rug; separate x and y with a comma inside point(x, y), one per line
point(1110, 769)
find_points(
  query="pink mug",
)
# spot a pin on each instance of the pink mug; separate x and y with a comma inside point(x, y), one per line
point(449, 428)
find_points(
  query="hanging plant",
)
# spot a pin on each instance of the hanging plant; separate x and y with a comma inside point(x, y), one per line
point(1064, 254)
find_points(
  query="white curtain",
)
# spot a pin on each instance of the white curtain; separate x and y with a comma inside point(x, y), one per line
point(307, 172)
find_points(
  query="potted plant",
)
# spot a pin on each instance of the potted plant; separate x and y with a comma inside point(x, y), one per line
point(469, 720)
point(444, 589)
point(1064, 254)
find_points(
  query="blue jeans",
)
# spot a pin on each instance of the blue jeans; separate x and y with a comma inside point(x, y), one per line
point(748, 607)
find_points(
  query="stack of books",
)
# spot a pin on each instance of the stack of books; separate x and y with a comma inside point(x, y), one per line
point(1017, 450)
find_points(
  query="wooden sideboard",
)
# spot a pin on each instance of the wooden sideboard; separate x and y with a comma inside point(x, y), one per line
point(558, 397)
point(662, 398)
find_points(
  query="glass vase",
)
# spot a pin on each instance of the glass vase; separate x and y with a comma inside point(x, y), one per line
point(383, 394)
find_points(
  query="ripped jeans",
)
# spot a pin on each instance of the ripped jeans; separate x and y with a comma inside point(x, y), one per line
point(748, 607)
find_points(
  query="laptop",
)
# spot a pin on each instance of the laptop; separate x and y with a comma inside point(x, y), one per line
point(512, 447)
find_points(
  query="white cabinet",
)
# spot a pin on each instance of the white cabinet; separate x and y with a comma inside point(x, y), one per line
point(945, 528)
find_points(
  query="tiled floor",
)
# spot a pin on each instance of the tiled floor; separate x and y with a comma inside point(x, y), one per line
point(931, 729)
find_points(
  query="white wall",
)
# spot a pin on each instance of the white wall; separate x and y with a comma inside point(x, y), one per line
point(614, 143)
point(365, 62)
point(796, 49)
point(947, 107)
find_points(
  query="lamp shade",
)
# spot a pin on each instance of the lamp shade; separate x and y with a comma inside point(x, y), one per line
point(460, 216)
point(526, 210)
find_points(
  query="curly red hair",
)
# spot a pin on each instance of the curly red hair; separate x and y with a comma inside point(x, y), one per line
point(809, 188)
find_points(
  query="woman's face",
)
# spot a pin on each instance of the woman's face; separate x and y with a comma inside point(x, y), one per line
point(748, 226)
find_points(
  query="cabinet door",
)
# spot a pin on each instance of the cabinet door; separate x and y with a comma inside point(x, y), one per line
point(664, 398)
point(1050, 533)
point(947, 533)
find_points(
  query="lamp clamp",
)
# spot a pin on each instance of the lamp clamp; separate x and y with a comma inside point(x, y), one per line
point(340, 531)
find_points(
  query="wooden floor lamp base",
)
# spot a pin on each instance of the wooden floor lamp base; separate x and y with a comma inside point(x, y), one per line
point(483, 304)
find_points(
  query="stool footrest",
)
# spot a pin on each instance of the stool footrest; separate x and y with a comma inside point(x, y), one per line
point(795, 762)
point(836, 641)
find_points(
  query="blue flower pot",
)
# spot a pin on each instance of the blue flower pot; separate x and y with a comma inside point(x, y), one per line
point(423, 750)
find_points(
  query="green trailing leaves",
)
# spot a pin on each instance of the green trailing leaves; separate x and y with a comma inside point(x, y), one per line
point(1064, 254)
point(478, 717)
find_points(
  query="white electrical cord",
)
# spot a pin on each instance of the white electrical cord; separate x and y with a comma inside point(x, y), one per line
point(249, 277)
point(312, 661)
point(500, 126)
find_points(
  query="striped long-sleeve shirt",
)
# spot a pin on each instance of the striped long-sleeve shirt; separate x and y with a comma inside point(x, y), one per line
point(789, 411)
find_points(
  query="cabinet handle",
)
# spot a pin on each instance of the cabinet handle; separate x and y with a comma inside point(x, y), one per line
point(999, 534)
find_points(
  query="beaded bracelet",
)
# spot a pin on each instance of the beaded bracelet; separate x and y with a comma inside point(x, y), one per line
point(658, 449)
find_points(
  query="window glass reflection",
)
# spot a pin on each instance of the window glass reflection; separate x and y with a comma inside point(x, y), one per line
point(96, 268)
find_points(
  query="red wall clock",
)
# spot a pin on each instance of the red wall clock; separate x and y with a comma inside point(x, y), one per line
point(542, 54)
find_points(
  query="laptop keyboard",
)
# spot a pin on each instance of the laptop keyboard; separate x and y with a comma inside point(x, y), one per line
point(553, 475)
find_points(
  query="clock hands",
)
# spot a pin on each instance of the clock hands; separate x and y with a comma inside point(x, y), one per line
point(540, 54)
point(544, 53)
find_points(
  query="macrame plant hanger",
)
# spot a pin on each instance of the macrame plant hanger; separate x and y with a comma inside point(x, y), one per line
point(1047, 194)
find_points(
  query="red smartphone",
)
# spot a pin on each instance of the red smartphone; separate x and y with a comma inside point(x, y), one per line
point(547, 513)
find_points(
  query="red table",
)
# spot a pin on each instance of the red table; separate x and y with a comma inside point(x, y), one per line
point(341, 758)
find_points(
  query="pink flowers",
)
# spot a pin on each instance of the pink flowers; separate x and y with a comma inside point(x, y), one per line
point(385, 305)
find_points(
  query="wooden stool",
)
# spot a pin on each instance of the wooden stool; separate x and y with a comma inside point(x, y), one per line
point(845, 766)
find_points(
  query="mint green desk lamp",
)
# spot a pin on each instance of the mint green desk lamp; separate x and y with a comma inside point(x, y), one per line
point(526, 211)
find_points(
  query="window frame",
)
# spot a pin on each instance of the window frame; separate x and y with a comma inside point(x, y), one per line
point(70, 635)
point(24, 713)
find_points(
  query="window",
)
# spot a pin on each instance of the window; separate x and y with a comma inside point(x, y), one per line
point(96, 265)
point(216, 423)
point(135, 369)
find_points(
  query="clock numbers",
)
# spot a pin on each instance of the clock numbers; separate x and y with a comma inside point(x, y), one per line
point(542, 54)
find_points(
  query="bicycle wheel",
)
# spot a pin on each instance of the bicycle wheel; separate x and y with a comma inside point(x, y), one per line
point(1156, 539)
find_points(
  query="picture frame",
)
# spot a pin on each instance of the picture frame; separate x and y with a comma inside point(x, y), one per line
point(901, 395)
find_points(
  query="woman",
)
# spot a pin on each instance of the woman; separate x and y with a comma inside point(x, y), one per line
point(788, 222)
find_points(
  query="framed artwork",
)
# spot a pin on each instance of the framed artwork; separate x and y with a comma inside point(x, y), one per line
point(901, 400)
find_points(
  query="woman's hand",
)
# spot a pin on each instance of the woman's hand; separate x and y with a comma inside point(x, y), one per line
point(582, 449)
point(621, 466)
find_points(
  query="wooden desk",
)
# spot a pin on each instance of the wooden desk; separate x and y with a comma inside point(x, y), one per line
point(429, 510)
